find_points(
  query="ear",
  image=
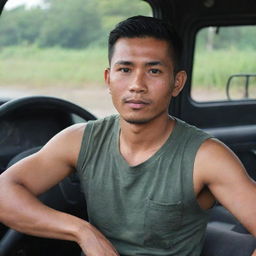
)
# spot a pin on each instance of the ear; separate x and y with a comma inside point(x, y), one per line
point(180, 80)
point(107, 78)
point(106, 75)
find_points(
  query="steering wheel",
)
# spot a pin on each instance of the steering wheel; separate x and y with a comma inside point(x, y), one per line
point(22, 118)
point(26, 105)
point(43, 102)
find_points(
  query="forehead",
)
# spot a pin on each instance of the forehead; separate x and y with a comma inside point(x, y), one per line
point(141, 49)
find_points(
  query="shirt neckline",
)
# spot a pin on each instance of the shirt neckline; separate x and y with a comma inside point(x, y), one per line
point(169, 143)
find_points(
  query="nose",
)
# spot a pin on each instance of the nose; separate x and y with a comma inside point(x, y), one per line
point(138, 83)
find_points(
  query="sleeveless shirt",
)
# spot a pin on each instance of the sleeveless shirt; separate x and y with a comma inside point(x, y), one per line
point(148, 209)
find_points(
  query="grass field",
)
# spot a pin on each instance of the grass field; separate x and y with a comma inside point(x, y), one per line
point(31, 65)
point(214, 68)
point(74, 75)
point(54, 66)
point(43, 70)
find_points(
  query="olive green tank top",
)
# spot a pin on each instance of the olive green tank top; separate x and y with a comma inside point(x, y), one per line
point(148, 209)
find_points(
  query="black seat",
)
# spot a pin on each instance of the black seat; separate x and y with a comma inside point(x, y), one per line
point(221, 242)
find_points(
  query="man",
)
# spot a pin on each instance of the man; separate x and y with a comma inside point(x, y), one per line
point(148, 178)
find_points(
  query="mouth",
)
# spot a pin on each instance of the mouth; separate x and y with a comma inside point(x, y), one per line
point(136, 103)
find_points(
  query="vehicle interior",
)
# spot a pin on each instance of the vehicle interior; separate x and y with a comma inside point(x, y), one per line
point(219, 54)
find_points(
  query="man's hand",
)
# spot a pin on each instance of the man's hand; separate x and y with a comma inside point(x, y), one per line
point(94, 243)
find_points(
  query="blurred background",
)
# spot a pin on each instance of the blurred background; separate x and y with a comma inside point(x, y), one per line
point(59, 48)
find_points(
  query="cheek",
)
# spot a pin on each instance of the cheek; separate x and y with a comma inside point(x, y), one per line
point(116, 91)
point(161, 89)
point(118, 85)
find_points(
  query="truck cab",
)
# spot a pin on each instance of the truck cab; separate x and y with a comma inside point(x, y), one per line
point(219, 54)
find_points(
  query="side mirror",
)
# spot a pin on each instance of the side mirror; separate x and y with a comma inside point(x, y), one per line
point(241, 87)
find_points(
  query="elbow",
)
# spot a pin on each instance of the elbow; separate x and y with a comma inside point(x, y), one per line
point(7, 203)
point(5, 213)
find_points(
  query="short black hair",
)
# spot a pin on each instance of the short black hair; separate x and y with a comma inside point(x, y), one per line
point(143, 26)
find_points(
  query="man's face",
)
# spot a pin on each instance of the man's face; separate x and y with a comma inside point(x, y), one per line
point(141, 79)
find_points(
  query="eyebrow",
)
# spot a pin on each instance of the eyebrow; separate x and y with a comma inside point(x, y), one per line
point(129, 63)
point(124, 62)
point(155, 63)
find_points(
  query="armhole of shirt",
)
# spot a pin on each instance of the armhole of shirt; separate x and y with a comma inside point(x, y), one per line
point(192, 152)
point(83, 153)
point(90, 131)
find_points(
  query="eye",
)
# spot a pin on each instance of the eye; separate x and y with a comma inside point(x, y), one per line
point(124, 70)
point(155, 71)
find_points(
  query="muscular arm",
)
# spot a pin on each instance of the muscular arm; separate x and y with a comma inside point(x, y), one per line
point(23, 182)
point(218, 168)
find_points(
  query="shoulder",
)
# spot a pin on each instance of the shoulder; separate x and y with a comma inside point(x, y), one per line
point(191, 130)
point(72, 133)
point(101, 126)
point(215, 149)
point(191, 136)
point(218, 168)
point(215, 162)
point(75, 133)
point(105, 121)
point(73, 136)
point(65, 145)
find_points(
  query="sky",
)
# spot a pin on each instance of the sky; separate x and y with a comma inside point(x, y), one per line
point(14, 3)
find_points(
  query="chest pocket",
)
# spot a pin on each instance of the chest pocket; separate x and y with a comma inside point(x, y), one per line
point(160, 223)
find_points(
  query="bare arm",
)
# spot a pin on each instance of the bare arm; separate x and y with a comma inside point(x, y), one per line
point(218, 168)
point(20, 184)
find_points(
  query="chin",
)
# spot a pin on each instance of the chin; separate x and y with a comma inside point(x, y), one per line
point(141, 119)
point(137, 120)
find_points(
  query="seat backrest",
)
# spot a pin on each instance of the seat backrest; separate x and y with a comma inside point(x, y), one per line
point(221, 242)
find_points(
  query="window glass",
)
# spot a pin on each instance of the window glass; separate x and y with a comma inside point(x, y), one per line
point(224, 64)
point(59, 48)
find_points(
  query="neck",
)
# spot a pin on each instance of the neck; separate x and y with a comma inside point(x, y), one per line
point(140, 141)
point(153, 129)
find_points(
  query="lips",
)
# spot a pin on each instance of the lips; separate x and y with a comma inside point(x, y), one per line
point(136, 103)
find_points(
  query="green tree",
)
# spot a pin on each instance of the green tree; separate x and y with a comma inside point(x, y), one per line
point(71, 24)
point(20, 26)
point(114, 11)
point(67, 23)
point(237, 37)
point(124, 8)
